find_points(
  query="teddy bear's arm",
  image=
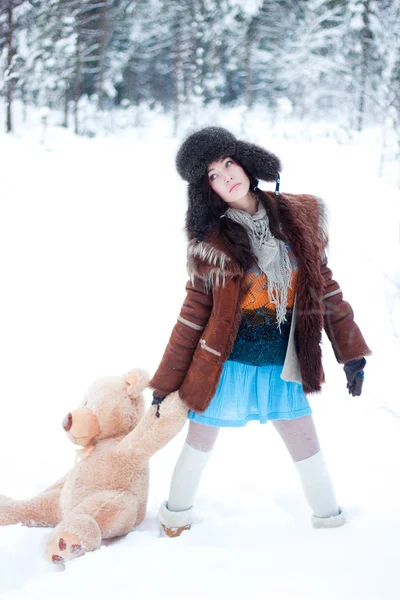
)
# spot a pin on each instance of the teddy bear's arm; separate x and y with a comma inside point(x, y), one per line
point(153, 432)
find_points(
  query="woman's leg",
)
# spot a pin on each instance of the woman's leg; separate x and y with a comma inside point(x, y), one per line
point(301, 440)
point(195, 453)
point(176, 514)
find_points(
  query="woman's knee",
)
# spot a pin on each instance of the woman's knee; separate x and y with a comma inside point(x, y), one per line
point(201, 437)
point(299, 436)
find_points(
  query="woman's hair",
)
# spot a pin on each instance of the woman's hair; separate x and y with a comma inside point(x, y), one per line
point(234, 235)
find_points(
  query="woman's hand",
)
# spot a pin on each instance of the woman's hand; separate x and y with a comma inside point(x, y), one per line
point(354, 370)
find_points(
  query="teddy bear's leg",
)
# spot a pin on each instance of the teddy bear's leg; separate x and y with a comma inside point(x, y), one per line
point(103, 515)
point(116, 513)
point(156, 428)
point(41, 511)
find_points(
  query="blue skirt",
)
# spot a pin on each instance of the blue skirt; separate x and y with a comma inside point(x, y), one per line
point(247, 393)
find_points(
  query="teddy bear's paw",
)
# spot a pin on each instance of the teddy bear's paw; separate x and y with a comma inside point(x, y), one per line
point(75, 535)
point(64, 547)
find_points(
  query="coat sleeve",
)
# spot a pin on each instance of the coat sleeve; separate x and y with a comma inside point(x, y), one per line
point(344, 334)
point(193, 318)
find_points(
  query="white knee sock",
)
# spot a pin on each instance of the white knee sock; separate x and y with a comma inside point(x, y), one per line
point(186, 478)
point(318, 486)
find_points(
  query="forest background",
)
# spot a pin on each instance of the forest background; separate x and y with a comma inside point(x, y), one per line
point(335, 60)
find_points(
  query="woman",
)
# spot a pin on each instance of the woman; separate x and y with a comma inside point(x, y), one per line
point(246, 344)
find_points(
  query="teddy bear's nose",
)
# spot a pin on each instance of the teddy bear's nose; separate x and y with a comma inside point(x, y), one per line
point(67, 422)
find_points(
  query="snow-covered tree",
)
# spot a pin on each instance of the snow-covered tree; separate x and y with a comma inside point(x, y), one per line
point(11, 12)
point(361, 51)
point(387, 96)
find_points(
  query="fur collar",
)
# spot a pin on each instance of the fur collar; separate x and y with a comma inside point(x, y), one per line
point(304, 221)
point(210, 261)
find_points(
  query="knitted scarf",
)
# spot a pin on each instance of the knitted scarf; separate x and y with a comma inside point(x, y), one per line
point(271, 255)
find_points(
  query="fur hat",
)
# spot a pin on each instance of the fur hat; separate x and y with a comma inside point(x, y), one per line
point(207, 145)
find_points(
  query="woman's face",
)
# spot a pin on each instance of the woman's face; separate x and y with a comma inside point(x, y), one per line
point(228, 180)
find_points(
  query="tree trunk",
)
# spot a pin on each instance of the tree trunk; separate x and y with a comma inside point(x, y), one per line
point(77, 83)
point(196, 96)
point(24, 103)
point(178, 73)
point(248, 74)
point(248, 64)
point(248, 95)
point(10, 80)
point(102, 51)
point(66, 98)
point(365, 40)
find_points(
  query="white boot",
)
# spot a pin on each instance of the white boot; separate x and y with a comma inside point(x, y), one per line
point(328, 522)
point(176, 514)
point(174, 522)
point(319, 492)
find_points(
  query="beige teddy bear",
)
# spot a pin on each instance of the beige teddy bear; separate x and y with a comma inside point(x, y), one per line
point(105, 494)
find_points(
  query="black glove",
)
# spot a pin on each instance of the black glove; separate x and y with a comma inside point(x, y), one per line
point(157, 401)
point(354, 370)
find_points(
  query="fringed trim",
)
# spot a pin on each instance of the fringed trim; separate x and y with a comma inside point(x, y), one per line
point(208, 253)
point(210, 264)
point(215, 278)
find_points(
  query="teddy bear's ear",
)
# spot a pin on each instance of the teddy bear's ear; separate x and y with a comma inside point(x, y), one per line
point(132, 381)
point(136, 380)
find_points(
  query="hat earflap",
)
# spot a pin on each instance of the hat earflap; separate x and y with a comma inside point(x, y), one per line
point(199, 216)
point(257, 161)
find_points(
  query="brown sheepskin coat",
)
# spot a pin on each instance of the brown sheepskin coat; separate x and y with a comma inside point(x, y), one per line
point(205, 332)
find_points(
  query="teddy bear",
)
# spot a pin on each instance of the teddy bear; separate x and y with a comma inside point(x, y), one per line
point(104, 495)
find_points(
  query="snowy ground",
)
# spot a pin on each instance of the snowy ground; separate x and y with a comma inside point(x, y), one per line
point(90, 233)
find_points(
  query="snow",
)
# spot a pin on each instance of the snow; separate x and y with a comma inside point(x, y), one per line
point(93, 274)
